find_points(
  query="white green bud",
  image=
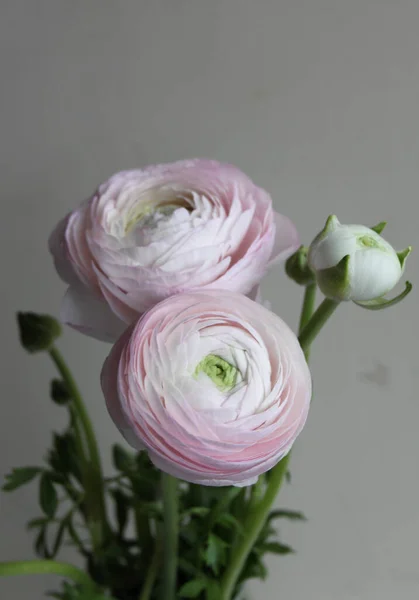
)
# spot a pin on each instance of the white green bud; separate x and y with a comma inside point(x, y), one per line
point(353, 262)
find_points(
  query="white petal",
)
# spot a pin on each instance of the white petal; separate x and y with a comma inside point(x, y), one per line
point(89, 314)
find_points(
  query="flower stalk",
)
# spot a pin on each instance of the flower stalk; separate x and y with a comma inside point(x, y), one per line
point(89, 455)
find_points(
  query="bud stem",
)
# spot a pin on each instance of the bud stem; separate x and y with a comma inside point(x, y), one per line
point(307, 310)
point(314, 325)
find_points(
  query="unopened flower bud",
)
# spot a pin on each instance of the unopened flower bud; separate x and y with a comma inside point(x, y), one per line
point(353, 262)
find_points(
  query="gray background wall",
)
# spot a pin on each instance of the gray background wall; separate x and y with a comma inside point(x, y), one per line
point(317, 100)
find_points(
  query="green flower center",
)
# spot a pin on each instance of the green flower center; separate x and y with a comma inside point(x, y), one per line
point(368, 242)
point(221, 372)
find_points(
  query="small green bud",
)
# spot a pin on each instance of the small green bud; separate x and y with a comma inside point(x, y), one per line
point(59, 392)
point(297, 267)
point(37, 332)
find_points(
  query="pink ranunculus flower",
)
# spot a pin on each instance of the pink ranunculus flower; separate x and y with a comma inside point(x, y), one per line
point(212, 384)
point(150, 233)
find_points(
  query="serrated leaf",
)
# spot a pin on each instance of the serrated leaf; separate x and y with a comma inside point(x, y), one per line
point(123, 461)
point(59, 392)
point(215, 552)
point(192, 589)
point(276, 548)
point(20, 476)
point(37, 332)
point(292, 515)
point(47, 495)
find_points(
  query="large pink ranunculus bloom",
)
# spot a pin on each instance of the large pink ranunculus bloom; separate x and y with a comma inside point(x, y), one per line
point(213, 385)
point(150, 233)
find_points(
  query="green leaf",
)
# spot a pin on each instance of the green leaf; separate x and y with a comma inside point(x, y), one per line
point(276, 548)
point(20, 476)
point(192, 589)
point(37, 332)
point(293, 515)
point(196, 511)
point(38, 522)
point(187, 567)
point(47, 495)
point(59, 392)
point(215, 553)
point(229, 521)
point(122, 505)
point(122, 460)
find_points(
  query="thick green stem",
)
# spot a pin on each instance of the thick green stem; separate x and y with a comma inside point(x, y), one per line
point(93, 478)
point(171, 525)
point(310, 325)
point(38, 567)
point(153, 569)
point(314, 325)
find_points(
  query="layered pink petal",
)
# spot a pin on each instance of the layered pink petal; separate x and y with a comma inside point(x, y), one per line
point(150, 233)
point(191, 428)
point(89, 314)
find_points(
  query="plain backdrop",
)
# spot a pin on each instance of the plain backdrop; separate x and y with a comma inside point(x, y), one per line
point(318, 101)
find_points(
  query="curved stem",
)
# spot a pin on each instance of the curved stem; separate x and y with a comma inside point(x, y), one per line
point(310, 325)
point(170, 528)
point(307, 311)
point(38, 567)
point(314, 325)
point(93, 477)
point(152, 571)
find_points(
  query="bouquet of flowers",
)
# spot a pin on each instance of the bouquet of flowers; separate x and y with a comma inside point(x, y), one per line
point(208, 387)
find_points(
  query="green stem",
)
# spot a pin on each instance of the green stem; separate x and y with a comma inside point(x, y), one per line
point(93, 477)
point(314, 325)
point(307, 310)
point(152, 571)
point(38, 567)
point(252, 527)
point(310, 325)
point(171, 524)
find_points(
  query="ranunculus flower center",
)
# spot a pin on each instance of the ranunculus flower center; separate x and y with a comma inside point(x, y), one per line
point(221, 372)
